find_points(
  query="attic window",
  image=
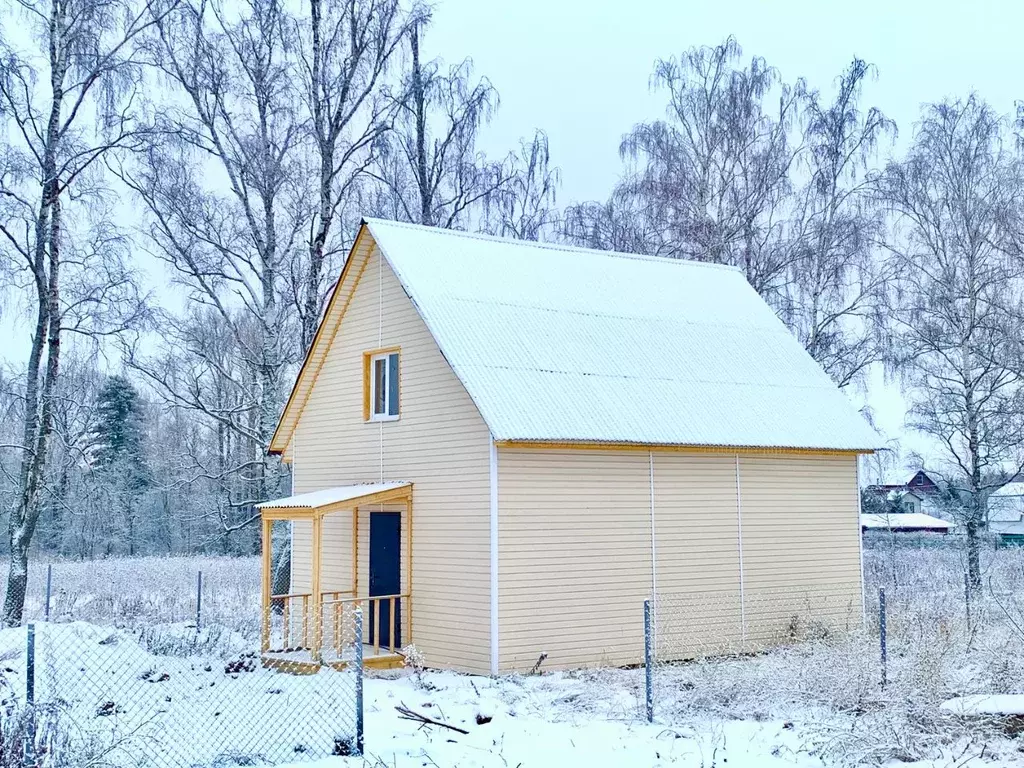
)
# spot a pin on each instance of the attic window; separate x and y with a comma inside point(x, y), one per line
point(380, 385)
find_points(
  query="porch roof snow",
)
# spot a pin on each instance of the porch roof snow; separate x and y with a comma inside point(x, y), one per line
point(330, 496)
point(898, 521)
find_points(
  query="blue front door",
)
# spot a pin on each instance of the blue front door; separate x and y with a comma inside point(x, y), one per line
point(385, 576)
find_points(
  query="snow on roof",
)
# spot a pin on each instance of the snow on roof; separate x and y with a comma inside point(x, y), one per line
point(565, 344)
point(1006, 504)
point(1010, 489)
point(1007, 526)
point(327, 496)
point(902, 521)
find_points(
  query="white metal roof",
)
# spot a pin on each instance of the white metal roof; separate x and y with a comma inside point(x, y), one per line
point(1010, 489)
point(327, 496)
point(555, 343)
point(904, 521)
point(1015, 527)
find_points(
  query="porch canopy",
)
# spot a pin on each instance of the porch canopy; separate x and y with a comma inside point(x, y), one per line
point(312, 507)
point(307, 506)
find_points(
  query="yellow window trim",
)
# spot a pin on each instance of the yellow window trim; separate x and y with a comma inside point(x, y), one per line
point(368, 355)
point(730, 450)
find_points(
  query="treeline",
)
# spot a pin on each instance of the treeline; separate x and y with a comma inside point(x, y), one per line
point(180, 180)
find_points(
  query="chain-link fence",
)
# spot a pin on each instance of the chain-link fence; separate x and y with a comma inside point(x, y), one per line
point(190, 692)
point(922, 632)
point(686, 627)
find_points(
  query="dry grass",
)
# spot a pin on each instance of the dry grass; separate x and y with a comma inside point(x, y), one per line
point(832, 685)
point(142, 592)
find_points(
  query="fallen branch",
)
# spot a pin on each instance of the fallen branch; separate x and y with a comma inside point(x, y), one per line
point(423, 720)
point(536, 667)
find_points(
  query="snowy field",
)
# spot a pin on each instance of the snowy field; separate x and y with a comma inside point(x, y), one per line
point(148, 590)
point(818, 702)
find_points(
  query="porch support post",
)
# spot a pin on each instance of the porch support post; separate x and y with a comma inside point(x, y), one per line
point(265, 596)
point(355, 551)
point(314, 649)
point(408, 569)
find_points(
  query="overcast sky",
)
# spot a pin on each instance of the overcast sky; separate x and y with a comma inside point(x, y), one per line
point(580, 71)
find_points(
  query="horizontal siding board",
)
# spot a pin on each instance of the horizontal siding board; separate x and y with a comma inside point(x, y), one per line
point(574, 557)
point(575, 560)
point(439, 443)
point(801, 543)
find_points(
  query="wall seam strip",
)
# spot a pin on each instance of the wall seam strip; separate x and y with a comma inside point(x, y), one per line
point(739, 544)
point(494, 556)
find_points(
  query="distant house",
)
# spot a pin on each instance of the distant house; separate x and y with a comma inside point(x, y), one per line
point(906, 501)
point(500, 449)
point(1006, 513)
point(919, 483)
point(905, 522)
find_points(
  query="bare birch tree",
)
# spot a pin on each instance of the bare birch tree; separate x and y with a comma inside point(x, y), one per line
point(69, 101)
point(347, 49)
point(219, 182)
point(836, 281)
point(955, 303)
point(430, 170)
point(714, 176)
point(525, 207)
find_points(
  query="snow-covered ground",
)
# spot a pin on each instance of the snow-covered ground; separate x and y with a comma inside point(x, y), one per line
point(123, 687)
point(591, 719)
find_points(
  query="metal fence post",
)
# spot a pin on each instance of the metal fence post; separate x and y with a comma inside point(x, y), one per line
point(30, 697)
point(359, 680)
point(648, 671)
point(881, 635)
point(199, 600)
point(49, 590)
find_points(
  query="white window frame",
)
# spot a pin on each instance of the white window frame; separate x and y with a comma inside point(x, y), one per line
point(374, 416)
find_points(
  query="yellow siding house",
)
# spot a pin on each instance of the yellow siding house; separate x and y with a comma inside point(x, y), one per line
point(500, 449)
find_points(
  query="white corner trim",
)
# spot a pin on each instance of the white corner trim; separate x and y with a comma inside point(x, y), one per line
point(494, 556)
point(739, 545)
point(860, 549)
point(654, 553)
point(380, 343)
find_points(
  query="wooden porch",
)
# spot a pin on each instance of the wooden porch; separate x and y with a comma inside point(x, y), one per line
point(318, 624)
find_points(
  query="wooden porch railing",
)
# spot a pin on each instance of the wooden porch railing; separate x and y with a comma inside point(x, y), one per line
point(292, 605)
point(373, 621)
point(329, 623)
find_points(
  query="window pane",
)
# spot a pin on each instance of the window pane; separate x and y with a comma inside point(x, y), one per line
point(393, 384)
point(379, 393)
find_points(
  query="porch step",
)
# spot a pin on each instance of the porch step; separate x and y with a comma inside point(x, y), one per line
point(298, 662)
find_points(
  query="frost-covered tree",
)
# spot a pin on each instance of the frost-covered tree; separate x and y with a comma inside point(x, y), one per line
point(68, 97)
point(346, 51)
point(713, 177)
point(525, 207)
point(430, 170)
point(836, 276)
point(221, 186)
point(117, 454)
point(955, 304)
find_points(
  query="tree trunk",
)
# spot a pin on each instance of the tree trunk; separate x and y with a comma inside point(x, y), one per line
point(973, 553)
point(419, 100)
point(25, 517)
point(322, 131)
